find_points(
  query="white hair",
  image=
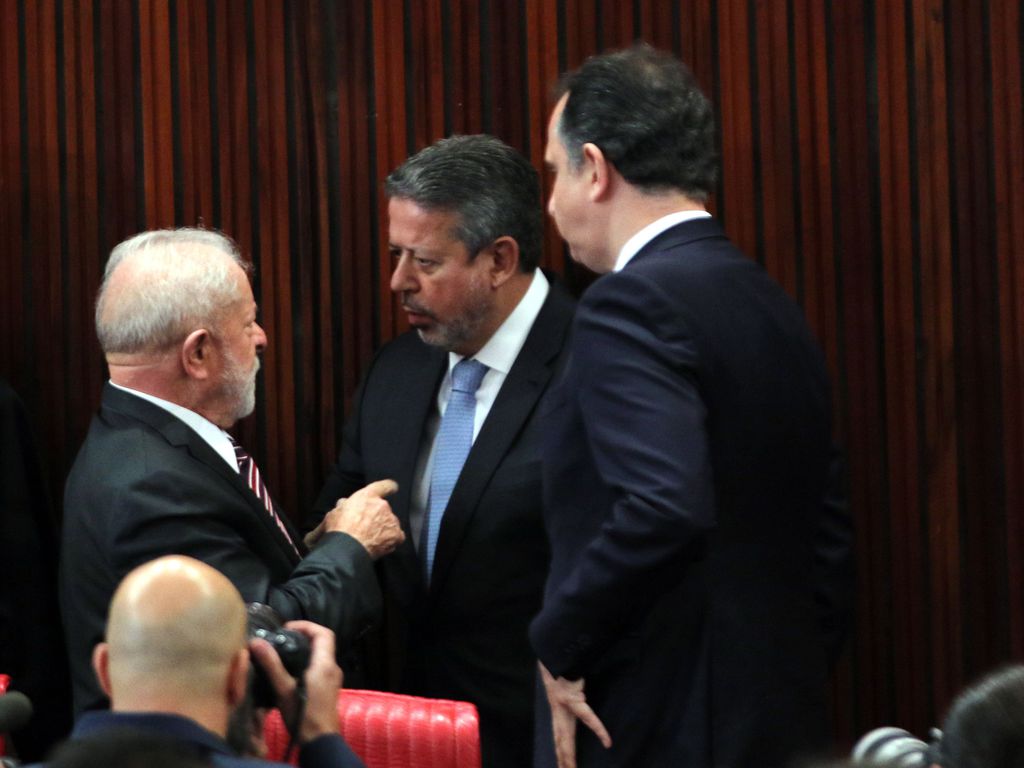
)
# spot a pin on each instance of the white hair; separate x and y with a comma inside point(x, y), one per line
point(173, 287)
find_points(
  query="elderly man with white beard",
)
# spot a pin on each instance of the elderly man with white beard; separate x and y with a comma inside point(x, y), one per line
point(159, 474)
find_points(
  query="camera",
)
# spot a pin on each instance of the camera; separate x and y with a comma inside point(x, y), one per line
point(292, 647)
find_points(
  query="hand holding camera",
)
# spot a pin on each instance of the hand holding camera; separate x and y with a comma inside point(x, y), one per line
point(300, 650)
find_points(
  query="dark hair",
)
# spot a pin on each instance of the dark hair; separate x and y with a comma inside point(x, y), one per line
point(644, 110)
point(985, 726)
point(491, 187)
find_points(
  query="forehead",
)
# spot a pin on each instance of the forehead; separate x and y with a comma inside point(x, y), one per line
point(410, 225)
point(554, 143)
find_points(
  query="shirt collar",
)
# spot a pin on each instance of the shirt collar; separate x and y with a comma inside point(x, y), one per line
point(501, 350)
point(214, 436)
point(651, 231)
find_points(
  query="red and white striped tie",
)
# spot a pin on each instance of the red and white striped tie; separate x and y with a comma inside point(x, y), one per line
point(248, 469)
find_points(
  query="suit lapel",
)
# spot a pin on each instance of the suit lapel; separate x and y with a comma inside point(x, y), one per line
point(418, 398)
point(178, 434)
point(523, 387)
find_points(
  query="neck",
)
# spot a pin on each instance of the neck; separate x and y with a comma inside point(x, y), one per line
point(635, 209)
point(150, 375)
point(160, 379)
point(509, 296)
point(506, 299)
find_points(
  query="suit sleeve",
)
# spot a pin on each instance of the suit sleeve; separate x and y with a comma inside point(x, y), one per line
point(633, 376)
point(328, 752)
point(833, 558)
point(167, 512)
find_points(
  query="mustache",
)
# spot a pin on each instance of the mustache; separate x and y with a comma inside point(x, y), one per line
point(411, 306)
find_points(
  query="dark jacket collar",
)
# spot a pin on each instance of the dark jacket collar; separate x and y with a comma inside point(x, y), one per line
point(681, 234)
point(174, 727)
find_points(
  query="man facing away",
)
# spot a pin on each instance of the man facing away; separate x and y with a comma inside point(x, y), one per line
point(686, 455)
point(450, 411)
point(158, 473)
point(176, 665)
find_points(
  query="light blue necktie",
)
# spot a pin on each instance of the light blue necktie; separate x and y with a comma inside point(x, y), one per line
point(454, 439)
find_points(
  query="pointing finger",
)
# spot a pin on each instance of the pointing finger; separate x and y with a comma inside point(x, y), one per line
point(382, 488)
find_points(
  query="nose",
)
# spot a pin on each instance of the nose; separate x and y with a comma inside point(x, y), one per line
point(401, 278)
point(261, 338)
point(551, 203)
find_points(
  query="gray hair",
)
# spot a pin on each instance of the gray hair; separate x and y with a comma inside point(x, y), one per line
point(174, 287)
point(491, 187)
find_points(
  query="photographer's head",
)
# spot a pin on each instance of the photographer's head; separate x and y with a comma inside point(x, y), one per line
point(985, 725)
point(984, 729)
point(176, 642)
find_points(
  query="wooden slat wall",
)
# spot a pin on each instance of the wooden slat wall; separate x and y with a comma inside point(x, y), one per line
point(872, 158)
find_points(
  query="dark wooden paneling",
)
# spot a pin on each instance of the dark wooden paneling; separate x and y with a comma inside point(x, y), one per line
point(872, 159)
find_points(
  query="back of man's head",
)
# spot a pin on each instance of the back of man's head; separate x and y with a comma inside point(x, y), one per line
point(985, 726)
point(492, 188)
point(644, 110)
point(160, 285)
point(176, 628)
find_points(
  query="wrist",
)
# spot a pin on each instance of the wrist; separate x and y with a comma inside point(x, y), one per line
point(317, 724)
point(311, 733)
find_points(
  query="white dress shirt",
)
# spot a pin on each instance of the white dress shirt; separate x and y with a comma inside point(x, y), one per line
point(498, 354)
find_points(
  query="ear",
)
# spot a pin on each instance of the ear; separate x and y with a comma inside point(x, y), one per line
point(101, 664)
point(196, 351)
point(505, 260)
point(599, 171)
point(238, 677)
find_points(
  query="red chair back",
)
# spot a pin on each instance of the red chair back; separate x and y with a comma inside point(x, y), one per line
point(390, 730)
point(5, 680)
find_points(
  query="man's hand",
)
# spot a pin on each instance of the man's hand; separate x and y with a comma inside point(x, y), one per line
point(323, 680)
point(568, 704)
point(366, 517)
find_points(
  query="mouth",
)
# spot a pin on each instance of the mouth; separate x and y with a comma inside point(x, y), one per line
point(417, 316)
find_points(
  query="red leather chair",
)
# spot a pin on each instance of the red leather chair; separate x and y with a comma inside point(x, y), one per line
point(5, 681)
point(389, 730)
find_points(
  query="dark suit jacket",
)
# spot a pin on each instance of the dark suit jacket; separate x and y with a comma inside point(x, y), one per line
point(465, 638)
point(686, 457)
point(31, 644)
point(323, 752)
point(145, 485)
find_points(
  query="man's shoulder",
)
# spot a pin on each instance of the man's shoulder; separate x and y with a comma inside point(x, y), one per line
point(559, 306)
point(119, 444)
point(324, 752)
point(232, 761)
point(407, 345)
point(139, 447)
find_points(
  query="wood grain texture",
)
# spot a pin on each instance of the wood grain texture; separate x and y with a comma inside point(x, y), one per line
point(872, 159)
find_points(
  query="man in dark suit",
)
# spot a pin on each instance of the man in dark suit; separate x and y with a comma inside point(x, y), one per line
point(31, 643)
point(686, 455)
point(176, 664)
point(465, 232)
point(158, 474)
